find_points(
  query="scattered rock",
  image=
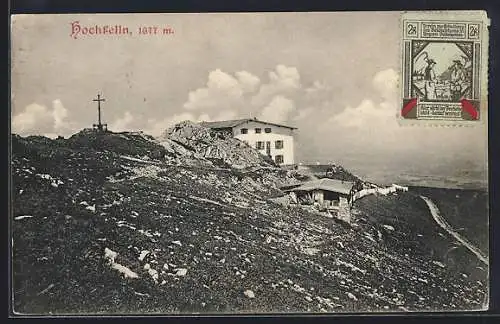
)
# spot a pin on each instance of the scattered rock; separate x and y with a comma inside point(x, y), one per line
point(154, 274)
point(127, 273)
point(440, 264)
point(110, 254)
point(351, 296)
point(388, 227)
point(248, 293)
point(22, 217)
point(143, 254)
point(181, 272)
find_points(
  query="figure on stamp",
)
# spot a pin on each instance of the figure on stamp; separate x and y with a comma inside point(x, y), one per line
point(425, 76)
point(430, 80)
point(457, 78)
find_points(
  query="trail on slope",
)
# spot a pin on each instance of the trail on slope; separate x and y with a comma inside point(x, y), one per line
point(444, 224)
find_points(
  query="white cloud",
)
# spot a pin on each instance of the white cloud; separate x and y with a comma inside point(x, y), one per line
point(370, 114)
point(158, 127)
point(37, 119)
point(59, 113)
point(282, 81)
point(197, 98)
point(367, 115)
point(221, 92)
point(225, 115)
point(278, 110)
point(285, 76)
point(27, 119)
point(225, 82)
point(227, 97)
point(248, 81)
point(122, 124)
point(386, 82)
point(51, 135)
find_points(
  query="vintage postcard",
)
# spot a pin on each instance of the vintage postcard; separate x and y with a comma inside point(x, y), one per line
point(249, 163)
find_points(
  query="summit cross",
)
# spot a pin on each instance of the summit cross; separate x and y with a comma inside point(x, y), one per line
point(99, 126)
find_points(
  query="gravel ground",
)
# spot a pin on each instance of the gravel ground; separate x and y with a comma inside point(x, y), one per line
point(204, 239)
point(465, 209)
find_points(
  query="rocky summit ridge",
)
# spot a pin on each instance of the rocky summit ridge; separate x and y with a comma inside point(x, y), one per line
point(189, 223)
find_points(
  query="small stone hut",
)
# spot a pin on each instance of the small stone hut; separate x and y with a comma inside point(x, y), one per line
point(327, 194)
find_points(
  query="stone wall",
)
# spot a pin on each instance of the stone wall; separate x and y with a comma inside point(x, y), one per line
point(344, 212)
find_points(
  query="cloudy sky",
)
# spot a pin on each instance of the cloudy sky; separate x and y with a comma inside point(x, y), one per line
point(332, 75)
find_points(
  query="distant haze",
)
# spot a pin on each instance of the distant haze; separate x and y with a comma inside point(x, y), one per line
point(332, 75)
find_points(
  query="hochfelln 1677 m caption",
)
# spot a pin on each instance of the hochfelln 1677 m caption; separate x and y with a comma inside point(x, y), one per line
point(78, 30)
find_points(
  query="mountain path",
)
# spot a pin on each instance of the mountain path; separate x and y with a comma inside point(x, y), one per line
point(444, 225)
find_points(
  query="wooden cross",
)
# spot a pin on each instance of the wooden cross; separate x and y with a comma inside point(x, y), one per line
point(99, 126)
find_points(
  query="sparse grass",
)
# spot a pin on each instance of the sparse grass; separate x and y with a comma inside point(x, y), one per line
point(215, 215)
point(465, 209)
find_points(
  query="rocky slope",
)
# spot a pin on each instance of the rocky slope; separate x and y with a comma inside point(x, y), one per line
point(215, 146)
point(123, 223)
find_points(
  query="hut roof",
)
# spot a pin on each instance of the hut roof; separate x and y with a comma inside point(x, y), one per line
point(325, 184)
point(236, 122)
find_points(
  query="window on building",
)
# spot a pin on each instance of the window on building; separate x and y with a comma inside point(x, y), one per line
point(278, 145)
point(278, 159)
point(244, 131)
point(259, 145)
point(267, 130)
point(258, 130)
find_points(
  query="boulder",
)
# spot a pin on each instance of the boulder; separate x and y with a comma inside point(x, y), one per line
point(220, 148)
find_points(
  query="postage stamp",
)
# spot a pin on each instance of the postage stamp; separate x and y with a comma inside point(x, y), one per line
point(444, 66)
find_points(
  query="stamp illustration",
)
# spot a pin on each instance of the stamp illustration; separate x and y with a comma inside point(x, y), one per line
point(442, 69)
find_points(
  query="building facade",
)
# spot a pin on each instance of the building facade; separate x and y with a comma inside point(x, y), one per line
point(273, 140)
